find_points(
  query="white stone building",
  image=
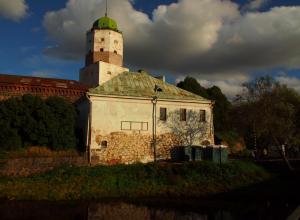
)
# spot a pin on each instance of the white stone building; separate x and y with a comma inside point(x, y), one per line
point(125, 113)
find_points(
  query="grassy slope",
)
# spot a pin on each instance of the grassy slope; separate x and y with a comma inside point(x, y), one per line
point(133, 181)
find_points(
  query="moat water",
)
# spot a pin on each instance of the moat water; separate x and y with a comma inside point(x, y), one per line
point(151, 211)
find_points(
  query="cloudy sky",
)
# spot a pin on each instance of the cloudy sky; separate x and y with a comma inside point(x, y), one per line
point(219, 42)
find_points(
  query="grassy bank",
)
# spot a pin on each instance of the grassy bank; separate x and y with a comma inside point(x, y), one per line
point(133, 181)
point(37, 151)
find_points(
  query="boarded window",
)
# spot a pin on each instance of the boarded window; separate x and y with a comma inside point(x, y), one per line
point(144, 126)
point(102, 39)
point(202, 116)
point(182, 114)
point(163, 114)
point(134, 126)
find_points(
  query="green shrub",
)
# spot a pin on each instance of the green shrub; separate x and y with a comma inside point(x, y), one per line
point(32, 121)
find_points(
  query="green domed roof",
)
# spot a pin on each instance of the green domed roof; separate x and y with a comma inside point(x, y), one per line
point(106, 23)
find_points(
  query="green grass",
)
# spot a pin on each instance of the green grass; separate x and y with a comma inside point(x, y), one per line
point(133, 181)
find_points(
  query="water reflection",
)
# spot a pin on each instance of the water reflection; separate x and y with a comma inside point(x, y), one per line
point(128, 211)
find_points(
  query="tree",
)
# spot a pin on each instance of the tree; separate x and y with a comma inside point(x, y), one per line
point(191, 131)
point(191, 84)
point(221, 110)
point(267, 113)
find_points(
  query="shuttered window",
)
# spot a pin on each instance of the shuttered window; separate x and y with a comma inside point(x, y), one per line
point(163, 114)
point(202, 116)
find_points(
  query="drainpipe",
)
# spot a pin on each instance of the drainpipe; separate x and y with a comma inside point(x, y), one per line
point(212, 122)
point(154, 102)
point(89, 128)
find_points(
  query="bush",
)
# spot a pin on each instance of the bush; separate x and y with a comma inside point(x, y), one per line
point(32, 121)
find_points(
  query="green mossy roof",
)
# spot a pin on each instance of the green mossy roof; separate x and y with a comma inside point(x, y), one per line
point(106, 23)
point(142, 84)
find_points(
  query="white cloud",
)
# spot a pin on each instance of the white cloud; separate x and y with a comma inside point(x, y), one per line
point(289, 81)
point(13, 9)
point(255, 4)
point(45, 73)
point(231, 85)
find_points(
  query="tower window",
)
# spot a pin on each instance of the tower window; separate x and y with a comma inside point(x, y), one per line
point(116, 42)
point(115, 52)
point(101, 50)
point(102, 39)
point(109, 73)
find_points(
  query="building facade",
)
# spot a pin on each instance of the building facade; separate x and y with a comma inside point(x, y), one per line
point(126, 115)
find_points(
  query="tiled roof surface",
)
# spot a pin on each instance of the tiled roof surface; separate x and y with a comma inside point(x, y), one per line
point(142, 84)
point(37, 81)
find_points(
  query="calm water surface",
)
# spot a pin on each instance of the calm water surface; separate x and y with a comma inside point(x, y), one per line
point(128, 211)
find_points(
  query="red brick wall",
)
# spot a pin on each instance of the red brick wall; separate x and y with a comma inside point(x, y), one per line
point(7, 91)
point(107, 57)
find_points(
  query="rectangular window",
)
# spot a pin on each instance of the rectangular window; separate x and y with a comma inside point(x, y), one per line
point(163, 114)
point(182, 114)
point(202, 116)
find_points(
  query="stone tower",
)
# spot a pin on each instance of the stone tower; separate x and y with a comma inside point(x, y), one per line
point(104, 53)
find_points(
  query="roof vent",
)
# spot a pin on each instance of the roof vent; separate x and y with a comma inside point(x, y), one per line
point(162, 78)
point(141, 71)
point(157, 88)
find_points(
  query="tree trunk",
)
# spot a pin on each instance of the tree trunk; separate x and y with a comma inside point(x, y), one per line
point(285, 159)
point(283, 154)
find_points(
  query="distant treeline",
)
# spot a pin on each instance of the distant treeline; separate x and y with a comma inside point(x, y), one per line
point(32, 121)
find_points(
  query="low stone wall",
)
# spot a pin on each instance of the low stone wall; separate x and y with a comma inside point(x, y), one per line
point(30, 166)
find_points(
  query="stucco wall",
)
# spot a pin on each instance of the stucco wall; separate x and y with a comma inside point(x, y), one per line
point(99, 73)
point(125, 124)
point(113, 41)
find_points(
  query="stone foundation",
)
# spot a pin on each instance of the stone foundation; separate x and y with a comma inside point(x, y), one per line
point(127, 148)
